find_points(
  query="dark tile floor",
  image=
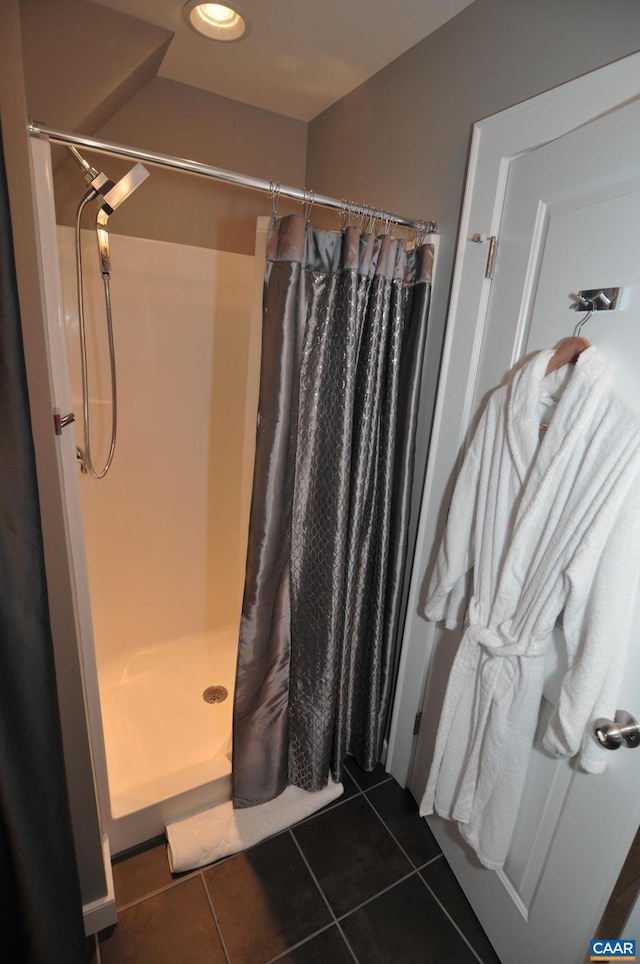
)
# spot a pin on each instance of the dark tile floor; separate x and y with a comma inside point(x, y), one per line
point(362, 880)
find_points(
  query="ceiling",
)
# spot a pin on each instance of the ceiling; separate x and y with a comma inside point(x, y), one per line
point(301, 55)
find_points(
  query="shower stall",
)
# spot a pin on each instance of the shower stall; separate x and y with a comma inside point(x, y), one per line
point(157, 538)
point(160, 540)
point(165, 530)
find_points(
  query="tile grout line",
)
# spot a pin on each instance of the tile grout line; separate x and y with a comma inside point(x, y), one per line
point(421, 878)
point(329, 806)
point(158, 890)
point(431, 860)
point(322, 894)
point(186, 875)
point(389, 831)
point(384, 890)
point(216, 919)
point(294, 947)
point(346, 941)
point(386, 779)
point(446, 912)
point(339, 801)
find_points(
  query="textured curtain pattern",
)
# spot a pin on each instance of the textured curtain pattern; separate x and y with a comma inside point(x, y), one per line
point(343, 340)
point(40, 890)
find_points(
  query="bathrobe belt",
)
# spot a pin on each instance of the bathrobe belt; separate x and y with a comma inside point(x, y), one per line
point(497, 675)
point(499, 641)
point(498, 670)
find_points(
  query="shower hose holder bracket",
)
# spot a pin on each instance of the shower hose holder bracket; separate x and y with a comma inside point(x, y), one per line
point(61, 421)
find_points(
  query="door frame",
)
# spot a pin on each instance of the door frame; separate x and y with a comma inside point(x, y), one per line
point(496, 141)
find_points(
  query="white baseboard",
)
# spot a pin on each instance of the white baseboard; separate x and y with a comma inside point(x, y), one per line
point(101, 913)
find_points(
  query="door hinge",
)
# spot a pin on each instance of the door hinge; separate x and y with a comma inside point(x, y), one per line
point(491, 253)
point(416, 723)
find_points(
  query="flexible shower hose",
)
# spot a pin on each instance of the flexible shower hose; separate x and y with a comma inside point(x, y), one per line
point(86, 452)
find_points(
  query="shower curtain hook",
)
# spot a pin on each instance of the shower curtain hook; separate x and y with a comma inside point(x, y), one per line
point(308, 201)
point(343, 213)
point(371, 222)
point(274, 194)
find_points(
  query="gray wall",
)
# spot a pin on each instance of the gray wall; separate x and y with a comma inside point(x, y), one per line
point(171, 118)
point(400, 140)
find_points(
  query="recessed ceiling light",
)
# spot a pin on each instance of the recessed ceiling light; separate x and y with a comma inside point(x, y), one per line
point(216, 20)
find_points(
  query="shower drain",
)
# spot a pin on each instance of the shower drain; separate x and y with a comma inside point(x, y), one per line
point(215, 694)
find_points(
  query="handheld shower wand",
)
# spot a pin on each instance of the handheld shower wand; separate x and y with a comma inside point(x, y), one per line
point(112, 200)
point(111, 196)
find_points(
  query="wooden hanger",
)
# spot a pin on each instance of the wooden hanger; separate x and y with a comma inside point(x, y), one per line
point(567, 352)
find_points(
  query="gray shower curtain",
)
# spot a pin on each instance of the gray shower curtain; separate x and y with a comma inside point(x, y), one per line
point(344, 328)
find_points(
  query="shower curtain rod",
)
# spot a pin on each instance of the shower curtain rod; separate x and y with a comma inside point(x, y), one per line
point(219, 174)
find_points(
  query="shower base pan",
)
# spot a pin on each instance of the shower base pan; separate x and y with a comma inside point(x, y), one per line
point(168, 747)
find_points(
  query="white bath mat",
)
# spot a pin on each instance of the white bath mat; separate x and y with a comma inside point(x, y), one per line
point(206, 836)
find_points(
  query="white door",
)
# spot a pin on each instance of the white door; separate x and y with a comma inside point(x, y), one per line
point(571, 222)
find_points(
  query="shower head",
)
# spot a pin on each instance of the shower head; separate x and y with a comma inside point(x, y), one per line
point(124, 188)
point(112, 200)
point(112, 194)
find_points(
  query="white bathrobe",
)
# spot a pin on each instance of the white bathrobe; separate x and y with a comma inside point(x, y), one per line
point(547, 527)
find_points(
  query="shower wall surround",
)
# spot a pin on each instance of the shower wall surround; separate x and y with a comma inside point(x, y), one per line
point(165, 531)
point(164, 535)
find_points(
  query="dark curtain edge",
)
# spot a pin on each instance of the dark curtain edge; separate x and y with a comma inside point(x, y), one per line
point(408, 541)
point(39, 868)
